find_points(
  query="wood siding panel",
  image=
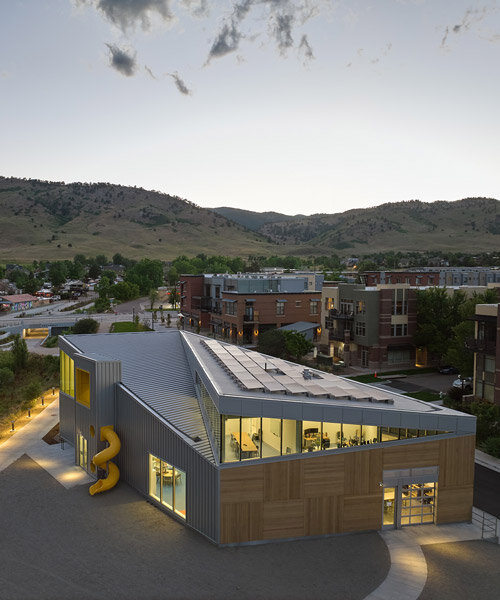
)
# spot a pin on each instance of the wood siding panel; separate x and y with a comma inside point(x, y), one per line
point(243, 484)
point(283, 519)
point(362, 513)
point(241, 522)
point(322, 515)
point(324, 476)
point(454, 504)
point(363, 472)
point(456, 462)
point(276, 481)
point(295, 479)
point(425, 454)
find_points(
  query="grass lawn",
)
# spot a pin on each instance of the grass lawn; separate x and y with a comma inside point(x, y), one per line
point(128, 326)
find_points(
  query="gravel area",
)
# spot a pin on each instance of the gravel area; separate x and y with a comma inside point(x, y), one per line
point(462, 570)
point(59, 543)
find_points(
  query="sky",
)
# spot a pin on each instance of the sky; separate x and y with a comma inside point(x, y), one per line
point(295, 106)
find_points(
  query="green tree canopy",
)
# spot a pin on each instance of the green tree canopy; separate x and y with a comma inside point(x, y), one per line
point(284, 344)
point(86, 326)
point(19, 353)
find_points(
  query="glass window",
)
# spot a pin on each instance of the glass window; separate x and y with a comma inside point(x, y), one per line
point(230, 308)
point(230, 438)
point(298, 303)
point(400, 330)
point(351, 434)
point(83, 387)
point(360, 307)
point(360, 328)
point(271, 437)
point(180, 492)
point(389, 434)
point(251, 436)
point(311, 436)
point(331, 436)
point(280, 308)
point(167, 484)
point(154, 477)
point(212, 412)
point(369, 434)
point(292, 436)
point(67, 373)
point(313, 308)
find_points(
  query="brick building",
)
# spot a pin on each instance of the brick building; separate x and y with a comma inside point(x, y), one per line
point(371, 327)
point(240, 307)
point(430, 276)
point(486, 347)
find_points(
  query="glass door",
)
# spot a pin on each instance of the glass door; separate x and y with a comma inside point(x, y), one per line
point(418, 503)
point(389, 520)
point(82, 451)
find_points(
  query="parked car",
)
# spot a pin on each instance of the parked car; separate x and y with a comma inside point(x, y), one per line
point(449, 370)
point(463, 382)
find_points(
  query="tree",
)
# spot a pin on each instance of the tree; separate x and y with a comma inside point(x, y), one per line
point(124, 291)
point(173, 276)
point(146, 274)
point(19, 353)
point(31, 392)
point(86, 326)
point(57, 273)
point(437, 315)
point(6, 377)
point(284, 344)
point(174, 297)
point(153, 297)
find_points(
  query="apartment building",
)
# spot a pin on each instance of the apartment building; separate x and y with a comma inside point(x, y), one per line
point(486, 348)
point(370, 327)
point(434, 276)
point(240, 307)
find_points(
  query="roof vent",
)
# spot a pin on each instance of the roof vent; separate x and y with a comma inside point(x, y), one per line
point(306, 373)
point(196, 438)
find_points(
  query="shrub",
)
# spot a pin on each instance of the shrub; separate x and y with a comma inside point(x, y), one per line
point(86, 326)
point(491, 446)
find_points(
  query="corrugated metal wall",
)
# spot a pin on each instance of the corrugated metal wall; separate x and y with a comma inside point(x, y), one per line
point(67, 417)
point(142, 433)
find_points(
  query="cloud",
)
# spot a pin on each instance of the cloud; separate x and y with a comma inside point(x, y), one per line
point(124, 62)
point(150, 72)
point(198, 8)
point(305, 48)
point(179, 83)
point(282, 31)
point(281, 16)
point(126, 14)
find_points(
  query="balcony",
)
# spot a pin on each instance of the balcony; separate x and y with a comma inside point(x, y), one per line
point(343, 316)
point(339, 336)
point(481, 346)
point(251, 317)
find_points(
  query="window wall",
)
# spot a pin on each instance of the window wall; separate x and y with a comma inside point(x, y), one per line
point(67, 372)
point(167, 485)
point(246, 438)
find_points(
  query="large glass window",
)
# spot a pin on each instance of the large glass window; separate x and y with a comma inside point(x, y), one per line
point(167, 484)
point(251, 437)
point(231, 438)
point(211, 410)
point(245, 438)
point(291, 436)
point(271, 437)
point(311, 436)
point(280, 308)
point(67, 374)
point(418, 503)
point(83, 387)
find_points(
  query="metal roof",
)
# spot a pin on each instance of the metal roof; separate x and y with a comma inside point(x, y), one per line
point(300, 326)
point(155, 368)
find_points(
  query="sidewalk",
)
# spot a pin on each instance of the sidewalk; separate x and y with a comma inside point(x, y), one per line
point(408, 573)
point(56, 461)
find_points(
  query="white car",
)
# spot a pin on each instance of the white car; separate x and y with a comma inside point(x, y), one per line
point(465, 383)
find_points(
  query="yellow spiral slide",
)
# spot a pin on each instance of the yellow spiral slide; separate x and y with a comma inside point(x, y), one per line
point(105, 456)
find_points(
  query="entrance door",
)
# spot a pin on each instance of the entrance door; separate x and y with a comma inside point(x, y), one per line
point(408, 504)
point(82, 451)
point(364, 358)
point(389, 518)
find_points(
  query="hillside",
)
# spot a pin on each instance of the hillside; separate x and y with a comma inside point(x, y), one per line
point(40, 219)
point(54, 220)
point(472, 224)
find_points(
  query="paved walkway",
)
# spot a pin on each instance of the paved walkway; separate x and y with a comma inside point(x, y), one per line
point(408, 573)
point(56, 461)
